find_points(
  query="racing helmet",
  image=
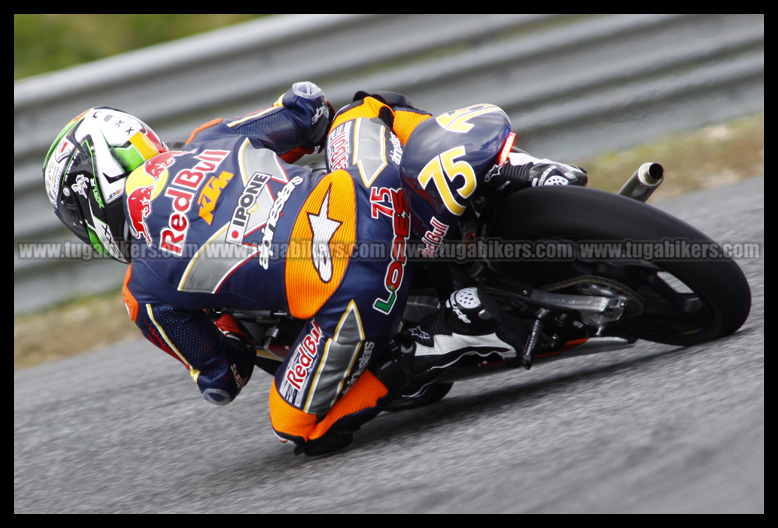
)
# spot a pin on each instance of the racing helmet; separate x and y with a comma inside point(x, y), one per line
point(85, 171)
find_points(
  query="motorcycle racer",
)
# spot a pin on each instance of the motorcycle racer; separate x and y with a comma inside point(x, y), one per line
point(228, 220)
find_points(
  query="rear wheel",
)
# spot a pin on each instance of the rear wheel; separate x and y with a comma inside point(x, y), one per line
point(681, 287)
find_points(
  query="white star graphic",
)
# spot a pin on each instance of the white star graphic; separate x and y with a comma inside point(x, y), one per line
point(323, 229)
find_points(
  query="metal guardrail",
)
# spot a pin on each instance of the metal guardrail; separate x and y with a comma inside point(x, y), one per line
point(573, 85)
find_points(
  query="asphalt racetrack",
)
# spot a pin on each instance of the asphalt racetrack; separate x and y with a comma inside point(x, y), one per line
point(651, 429)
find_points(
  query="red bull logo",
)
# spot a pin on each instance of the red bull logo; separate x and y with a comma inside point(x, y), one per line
point(146, 183)
point(181, 191)
point(157, 165)
point(142, 187)
point(306, 353)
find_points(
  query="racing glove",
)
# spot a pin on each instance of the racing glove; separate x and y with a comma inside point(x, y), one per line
point(307, 102)
point(223, 376)
point(295, 125)
point(522, 171)
point(315, 141)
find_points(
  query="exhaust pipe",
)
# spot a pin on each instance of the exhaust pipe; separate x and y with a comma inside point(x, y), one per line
point(643, 182)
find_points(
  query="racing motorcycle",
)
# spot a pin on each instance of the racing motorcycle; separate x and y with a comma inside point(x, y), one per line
point(588, 271)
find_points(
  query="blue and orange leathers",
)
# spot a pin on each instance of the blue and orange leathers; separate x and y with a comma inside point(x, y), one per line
point(226, 222)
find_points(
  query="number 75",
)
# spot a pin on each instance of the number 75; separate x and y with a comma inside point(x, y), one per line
point(442, 170)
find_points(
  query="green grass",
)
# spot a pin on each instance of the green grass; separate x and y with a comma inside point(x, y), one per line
point(45, 43)
point(708, 157)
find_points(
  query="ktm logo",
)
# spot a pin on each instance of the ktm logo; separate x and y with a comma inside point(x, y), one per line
point(210, 195)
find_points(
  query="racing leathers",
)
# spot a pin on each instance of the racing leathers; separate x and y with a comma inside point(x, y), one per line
point(226, 222)
point(229, 221)
point(182, 205)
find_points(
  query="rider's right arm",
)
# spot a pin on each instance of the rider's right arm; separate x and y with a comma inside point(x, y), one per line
point(296, 124)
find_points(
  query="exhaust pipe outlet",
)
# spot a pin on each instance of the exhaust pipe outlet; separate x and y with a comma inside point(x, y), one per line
point(643, 182)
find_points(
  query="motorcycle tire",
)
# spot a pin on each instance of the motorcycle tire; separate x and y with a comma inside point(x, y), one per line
point(683, 301)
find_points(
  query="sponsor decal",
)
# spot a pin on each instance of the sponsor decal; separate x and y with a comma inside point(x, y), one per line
point(157, 165)
point(81, 185)
point(396, 152)
point(266, 246)
point(323, 228)
point(181, 190)
point(417, 332)
point(433, 238)
point(339, 147)
point(56, 168)
point(364, 361)
point(322, 111)
point(139, 208)
point(142, 187)
point(320, 245)
point(64, 151)
point(210, 195)
point(305, 355)
point(391, 202)
point(246, 202)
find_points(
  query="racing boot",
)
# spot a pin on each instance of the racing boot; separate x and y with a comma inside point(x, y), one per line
point(522, 170)
point(470, 323)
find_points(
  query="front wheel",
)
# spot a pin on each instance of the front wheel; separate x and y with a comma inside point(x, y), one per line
point(691, 296)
